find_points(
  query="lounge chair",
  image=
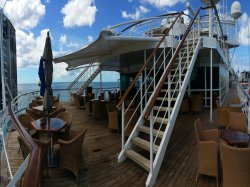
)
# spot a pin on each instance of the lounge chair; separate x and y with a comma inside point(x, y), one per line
point(67, 117)
point(71, 152)
point(238, 121)
point(235, 166)
point(113, 116)
point(208, 150)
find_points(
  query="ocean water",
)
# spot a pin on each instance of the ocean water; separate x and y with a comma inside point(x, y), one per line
point(60, 88)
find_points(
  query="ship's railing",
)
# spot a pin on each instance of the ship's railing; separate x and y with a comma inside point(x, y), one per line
point(223, 29)
point(149, 27)
point(5, 124)
point(30, 168)
point(245, 100)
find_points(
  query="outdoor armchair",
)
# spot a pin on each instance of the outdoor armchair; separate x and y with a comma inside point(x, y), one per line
point(71, 151)
point(238, 121)
point(235, 166)
point(113, 116)
point(207, 150)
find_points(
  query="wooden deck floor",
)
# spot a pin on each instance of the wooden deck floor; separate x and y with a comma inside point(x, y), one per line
point(101, 149)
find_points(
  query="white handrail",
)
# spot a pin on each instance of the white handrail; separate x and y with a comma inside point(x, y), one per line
point(5, 153)
point(19, 172)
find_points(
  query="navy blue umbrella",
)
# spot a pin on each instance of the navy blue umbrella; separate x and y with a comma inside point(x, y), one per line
point(42, 78)
point(48, 74)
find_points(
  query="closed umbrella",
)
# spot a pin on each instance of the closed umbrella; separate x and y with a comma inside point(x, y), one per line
point(48, 74)
point(42, 78)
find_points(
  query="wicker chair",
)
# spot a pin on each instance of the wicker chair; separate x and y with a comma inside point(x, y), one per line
point(59, 109)
point(89, 107)
point(113, 117)
point(197, 102)
point(223, 118)
point(67, 117)
point(235, 166)
point(234, 100)
point(207, 150)
point(238, 121)
point(26, 120)
point(44, 150)
point(235, 109)
point(96, 109)
point(71, 152)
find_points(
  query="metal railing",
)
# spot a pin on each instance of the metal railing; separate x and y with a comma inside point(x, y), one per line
point(245, 100)
point(148, 27)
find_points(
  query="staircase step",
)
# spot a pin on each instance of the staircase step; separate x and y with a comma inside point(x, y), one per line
point(173, 70)
point(162, 108)
point(165, 99)
point(145, 144)
point(139, 159)
point(173, 83)
point(146, 129)
point(178, 75)
point(161, 120)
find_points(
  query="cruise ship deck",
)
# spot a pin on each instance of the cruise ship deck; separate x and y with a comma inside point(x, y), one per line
point(101, 149)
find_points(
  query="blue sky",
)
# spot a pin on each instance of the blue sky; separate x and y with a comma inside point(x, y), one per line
point(73, 24)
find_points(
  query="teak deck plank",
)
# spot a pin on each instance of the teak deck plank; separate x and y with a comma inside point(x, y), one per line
point(101, 149)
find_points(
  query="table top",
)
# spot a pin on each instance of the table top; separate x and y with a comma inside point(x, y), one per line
point(235, 137)
point(49, 124)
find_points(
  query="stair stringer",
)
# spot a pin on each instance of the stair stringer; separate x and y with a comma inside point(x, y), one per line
point(89, 80)
point(168, 131)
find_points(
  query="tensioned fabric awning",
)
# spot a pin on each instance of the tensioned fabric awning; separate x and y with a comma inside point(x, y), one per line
point(107, 47)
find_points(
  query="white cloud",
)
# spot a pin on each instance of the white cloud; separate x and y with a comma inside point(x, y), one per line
point(162, 3)
point(138, 13)
point(79, 13)
point(244, 35)
point(30, 49)
point(90, 39)
point(63, 39)
point(24, 14)
point(59, 70)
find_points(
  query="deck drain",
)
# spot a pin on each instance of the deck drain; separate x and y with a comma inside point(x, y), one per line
point(96, 150)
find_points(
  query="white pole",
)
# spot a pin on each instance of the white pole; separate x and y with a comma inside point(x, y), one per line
point(100, 83)
point(211, 85)
point(210, 23)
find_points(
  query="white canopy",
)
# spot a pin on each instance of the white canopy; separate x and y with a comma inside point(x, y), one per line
point(106, 50)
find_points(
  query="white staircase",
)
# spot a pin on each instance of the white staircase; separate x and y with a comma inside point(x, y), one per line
point(147, 143)
point(165, 110)
point(87, 75)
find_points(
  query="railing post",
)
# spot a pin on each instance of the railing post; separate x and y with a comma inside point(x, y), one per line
point(122, 125)
point(151, 141)
point(145, 78)
point(154, 72)
point(141, 86)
